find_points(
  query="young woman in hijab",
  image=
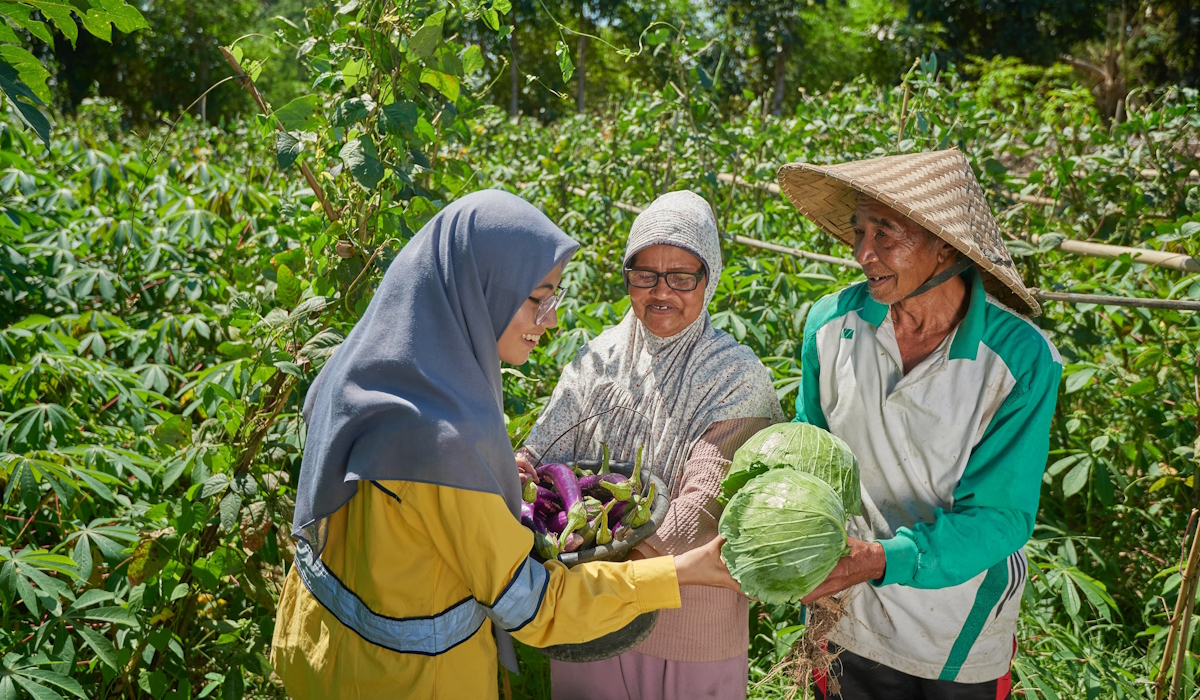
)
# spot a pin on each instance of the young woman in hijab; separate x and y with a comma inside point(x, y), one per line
point(411, 566)
point(666, 380)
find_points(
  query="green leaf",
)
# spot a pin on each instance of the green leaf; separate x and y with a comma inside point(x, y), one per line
point(19, 15)
point(301, 114)
point(564, 61)
point(100, 20)
point(290, 368)
point(442, 82)
point(1077, 478)
point(398, 119)
point(491, 18)
point(114, 614)
point(216, 484)
point(351, 111)
point(1142, 386)
point(1057, 468)
point(1070, 597)
point(60, 14)
point(37, 690)
point(99, 644)
point(362, 160)
point(287, 149)
point(426, 39)
point(502, 6)
point(1050, 241)
point(7, 35)
point(231, 506)
point(472, 60)
point(15, 89)
point(287, 290)
point(65, 682)
point(351, 73)
point(1078, 380)
point(29, 71)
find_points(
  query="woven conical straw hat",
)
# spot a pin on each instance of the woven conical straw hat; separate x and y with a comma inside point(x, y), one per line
point(937, 190)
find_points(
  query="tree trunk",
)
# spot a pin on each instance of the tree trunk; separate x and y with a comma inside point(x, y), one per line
point(514, 81)
point(781, 57)
point(580, 66)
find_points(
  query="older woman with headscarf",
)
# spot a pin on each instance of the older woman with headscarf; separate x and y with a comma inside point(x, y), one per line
point(666, 380)
point(411, 566)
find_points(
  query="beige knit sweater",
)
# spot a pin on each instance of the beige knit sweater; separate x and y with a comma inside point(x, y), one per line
point(712, 624)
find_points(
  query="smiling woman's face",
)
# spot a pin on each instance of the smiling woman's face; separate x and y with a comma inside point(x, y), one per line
point(523, 332)
point(662, 310)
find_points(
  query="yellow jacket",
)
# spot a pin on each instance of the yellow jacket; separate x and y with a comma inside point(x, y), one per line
point(417, 575)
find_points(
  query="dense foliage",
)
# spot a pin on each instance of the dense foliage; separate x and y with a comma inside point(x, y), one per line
point(167, 302)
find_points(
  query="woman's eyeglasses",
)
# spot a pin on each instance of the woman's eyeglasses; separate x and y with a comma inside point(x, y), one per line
point(548, 305)
point(648, 279)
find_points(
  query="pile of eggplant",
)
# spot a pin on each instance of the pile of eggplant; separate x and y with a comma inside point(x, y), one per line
point(573, 509)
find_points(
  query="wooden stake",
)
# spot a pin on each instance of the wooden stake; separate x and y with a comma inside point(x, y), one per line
point(505, 684)
point(1187, 593)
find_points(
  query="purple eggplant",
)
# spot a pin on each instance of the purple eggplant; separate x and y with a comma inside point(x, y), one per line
point(567, 488)
point(547, 503)
point(618, 509)
point(595, 487)
point(527, 514)
point(572, 542)
point(557, 522)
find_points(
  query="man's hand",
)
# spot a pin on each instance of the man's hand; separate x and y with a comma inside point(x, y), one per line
point(526, 468)
point(865, 562)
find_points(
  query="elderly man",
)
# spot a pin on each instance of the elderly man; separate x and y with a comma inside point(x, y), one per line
point(930, 371)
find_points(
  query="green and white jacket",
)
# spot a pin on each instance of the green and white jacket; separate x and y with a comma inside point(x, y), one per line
point(951, 458)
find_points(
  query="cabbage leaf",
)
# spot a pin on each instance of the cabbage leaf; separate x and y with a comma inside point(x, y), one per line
point(802, 447)
point(784, 530)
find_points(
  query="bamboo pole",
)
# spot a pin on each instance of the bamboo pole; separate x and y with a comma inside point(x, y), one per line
point(1186, 596)
point(1145, 256)
point(796, 252)
point(1108, 300)
point(262, 104)
point(743, 240)
point(1181, 657)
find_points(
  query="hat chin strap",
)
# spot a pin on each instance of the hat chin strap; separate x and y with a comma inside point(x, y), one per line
point(957, 268)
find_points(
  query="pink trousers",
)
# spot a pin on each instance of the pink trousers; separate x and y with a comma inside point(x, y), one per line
point(634, 676)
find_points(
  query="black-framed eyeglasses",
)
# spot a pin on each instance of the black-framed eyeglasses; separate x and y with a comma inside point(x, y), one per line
point(648, 279)
point(548, 305)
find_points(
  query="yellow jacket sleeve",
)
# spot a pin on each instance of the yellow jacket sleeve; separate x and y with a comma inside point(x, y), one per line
point(540, 604)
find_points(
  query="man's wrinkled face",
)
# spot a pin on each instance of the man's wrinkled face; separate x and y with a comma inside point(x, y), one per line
point(897, 255)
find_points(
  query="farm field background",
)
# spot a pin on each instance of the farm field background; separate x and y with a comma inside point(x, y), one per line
point(169, 294)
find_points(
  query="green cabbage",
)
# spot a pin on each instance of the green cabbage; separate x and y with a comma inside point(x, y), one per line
point(802, 447)
point(785, 530)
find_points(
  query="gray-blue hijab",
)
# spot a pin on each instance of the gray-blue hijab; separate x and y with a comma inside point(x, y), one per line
point(414, 393)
